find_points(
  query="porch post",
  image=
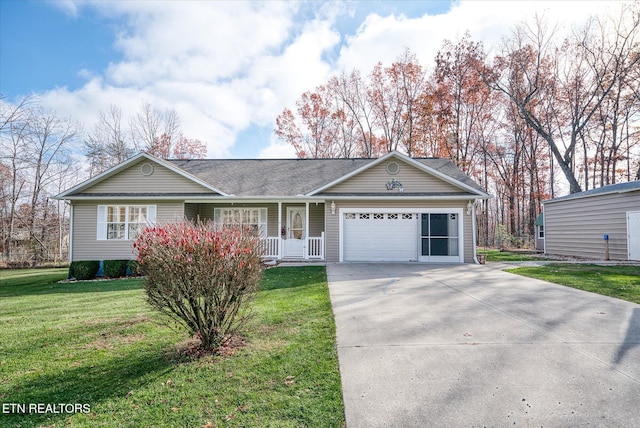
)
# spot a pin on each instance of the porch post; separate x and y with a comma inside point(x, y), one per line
point(279, 229)
point(306, 232)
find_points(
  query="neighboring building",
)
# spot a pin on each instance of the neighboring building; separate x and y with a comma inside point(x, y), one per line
point(539, 226)
point(394, 208)
point(576, 225)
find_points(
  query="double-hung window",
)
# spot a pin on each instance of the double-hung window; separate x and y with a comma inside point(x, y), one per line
point(256, 218)
point(124, 222)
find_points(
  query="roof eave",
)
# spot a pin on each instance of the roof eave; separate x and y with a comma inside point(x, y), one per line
point(407, 159)
point(122, 166)
point(571, 198)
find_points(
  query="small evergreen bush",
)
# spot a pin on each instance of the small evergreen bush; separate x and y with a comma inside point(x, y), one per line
point(115, 268)
point(133, 268)
point(84, 269)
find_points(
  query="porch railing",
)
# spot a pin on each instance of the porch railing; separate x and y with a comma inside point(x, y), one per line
point(315, 247)
point(271, 247)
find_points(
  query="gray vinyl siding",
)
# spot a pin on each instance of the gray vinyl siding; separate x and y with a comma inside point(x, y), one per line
point(85, 218)
point(316, 220)
point(332, 233)
point(375, 178)
point(163, 180)
point(576, 227)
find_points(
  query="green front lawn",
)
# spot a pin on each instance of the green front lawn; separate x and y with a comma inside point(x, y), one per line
point(494, 255)
point(622, 282)
point(98, 343)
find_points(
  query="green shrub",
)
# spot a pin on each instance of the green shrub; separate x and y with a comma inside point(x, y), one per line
point(133, 268)
point(115, 268)
point(200, 276)
point(84, 269)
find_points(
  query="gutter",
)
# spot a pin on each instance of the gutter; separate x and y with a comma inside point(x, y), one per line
point(473, 226)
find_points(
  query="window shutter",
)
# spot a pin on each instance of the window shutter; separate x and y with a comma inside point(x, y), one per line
point(102, 222)
point(151, 215)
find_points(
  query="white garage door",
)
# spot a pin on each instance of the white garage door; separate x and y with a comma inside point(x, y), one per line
point(378, 236)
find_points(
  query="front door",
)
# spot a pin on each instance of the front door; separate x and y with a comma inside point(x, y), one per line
point(296, 232)
point(633, 235)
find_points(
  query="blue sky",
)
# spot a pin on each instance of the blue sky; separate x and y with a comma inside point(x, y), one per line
point(227, 68)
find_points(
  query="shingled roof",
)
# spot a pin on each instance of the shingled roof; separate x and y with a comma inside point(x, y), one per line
point(290, 177)
point(612, 188)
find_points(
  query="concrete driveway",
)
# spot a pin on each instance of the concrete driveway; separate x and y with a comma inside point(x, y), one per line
point(472, 346)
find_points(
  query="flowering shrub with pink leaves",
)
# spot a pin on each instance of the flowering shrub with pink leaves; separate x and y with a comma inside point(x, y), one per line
point(201, 276)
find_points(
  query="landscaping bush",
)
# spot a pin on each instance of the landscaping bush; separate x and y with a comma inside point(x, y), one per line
point(133, 268)
point(84, 269)
point(201, 276)
point(115, 268)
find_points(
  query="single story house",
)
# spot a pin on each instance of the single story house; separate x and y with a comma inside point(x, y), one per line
point(394, 208)
point(586, 224)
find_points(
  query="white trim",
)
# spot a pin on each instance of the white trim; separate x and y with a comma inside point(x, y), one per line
point(124, 165)
point(629, 234)
point(439, 210)
point(473, 233)
point(544, 223)
point(280, 229)
point(410, 161)
point(102, 220)
point(263, 216)
point(101, 223)
point(70, 249)
point(592, 195)
point(306, 231)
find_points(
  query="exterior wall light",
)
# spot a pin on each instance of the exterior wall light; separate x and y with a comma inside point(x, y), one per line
point(333, 207)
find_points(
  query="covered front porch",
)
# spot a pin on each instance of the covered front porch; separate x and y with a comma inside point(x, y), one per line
point(289, 230)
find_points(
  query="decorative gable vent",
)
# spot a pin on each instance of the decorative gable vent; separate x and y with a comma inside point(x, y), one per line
point(146, 169)
point(393, 168)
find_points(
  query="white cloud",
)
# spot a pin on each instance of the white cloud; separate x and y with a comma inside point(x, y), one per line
point(227, 66)
point(384, 38)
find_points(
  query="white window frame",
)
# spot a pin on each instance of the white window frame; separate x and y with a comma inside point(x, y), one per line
point(103, 223)
point(541, 232)
point(242, 216)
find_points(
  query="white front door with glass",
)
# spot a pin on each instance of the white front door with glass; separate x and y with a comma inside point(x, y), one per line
point(296, 232)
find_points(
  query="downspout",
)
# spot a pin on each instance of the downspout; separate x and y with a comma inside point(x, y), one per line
point(70, 250)
point(473, 225)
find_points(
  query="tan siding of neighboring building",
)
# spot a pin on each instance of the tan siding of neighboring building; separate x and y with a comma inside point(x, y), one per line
point(576, 227)
point(163, 180)
point(375, 178)
point(85, 217)
point(332, 233)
